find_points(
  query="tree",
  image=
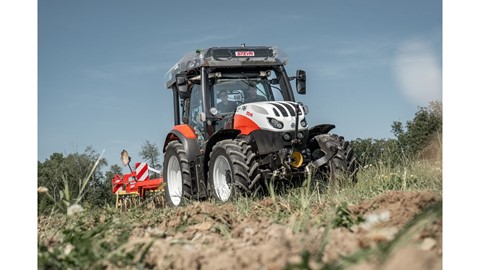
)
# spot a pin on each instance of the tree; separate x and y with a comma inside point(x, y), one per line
point(49, 176)
point(151, 153)
point(58, 171)
point(114, 169)
point(412, 140)
point(419, 132)
point(105, 194)
point(372, 151)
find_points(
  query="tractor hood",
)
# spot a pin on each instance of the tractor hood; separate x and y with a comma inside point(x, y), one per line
point(278, 116)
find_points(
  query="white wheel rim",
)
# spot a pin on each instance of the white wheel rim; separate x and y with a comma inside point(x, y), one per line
point(221, 172)
point(174, 180)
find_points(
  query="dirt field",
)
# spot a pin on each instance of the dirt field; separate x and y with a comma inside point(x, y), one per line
point(210, 236)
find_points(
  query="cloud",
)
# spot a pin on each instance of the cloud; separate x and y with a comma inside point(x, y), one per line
point(418, 72)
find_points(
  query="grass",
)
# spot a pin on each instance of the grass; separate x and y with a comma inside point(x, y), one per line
point(99, 238)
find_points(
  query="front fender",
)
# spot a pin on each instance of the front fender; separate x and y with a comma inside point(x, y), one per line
point(319, 129)
point(185, 134)
point(222, 134)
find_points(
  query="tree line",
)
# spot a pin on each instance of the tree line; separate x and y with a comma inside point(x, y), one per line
point(420, 137)
point(60, 171)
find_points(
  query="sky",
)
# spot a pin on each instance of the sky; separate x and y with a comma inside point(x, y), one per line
point(101, 64)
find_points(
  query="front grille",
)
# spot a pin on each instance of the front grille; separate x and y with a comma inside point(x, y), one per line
point(281, 108)
point(290, 108)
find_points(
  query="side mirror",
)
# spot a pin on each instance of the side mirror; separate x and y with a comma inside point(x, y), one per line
point(301, 82)
point(182, 85)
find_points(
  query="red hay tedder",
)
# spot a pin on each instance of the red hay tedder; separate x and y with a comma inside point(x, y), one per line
point(135, 185)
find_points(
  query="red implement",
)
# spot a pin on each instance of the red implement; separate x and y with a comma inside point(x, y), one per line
point(130, 183)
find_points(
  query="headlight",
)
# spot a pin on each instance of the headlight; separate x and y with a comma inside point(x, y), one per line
point(303, 123)
point(305, 108)
point(275, 123)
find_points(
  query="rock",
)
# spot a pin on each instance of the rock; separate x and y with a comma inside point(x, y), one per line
point(428, 244)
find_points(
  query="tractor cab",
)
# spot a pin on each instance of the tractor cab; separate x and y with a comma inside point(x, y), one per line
point(210, 85)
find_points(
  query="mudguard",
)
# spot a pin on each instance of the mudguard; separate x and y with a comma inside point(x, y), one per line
point(320, 129)
point(222, 134)
point(186, 135)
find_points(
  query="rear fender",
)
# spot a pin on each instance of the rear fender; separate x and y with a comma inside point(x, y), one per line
point(184, 134)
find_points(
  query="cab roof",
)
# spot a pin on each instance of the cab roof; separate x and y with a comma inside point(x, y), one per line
point(227, 57)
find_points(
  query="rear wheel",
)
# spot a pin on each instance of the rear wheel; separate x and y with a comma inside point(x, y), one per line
point(176, 175)
point(232, 170)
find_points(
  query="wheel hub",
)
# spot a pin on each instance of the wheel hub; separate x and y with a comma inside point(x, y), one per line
point(222, 178)
point(175, 183)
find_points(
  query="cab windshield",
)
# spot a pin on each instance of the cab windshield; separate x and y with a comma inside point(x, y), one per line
point(229, 93)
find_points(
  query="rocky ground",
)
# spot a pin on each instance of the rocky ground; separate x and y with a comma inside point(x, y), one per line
point(211, 236)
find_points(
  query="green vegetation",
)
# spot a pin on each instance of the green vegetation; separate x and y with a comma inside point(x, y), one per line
point(88, 241)
point(65, 181)
point(425, 127)
point(150, 152)
point(418, 138)
point(343, 217)
point(80, 174)
point(100, 237)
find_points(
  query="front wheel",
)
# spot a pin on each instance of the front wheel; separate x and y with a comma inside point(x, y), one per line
point(232, 170)
point(343, 163)
point(176, 175)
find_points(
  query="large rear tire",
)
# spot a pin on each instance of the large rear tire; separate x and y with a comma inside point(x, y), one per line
point(176, 175)
point(232, 170)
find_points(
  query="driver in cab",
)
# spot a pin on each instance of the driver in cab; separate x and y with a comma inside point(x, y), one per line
point(225, 106)
point(252, 96)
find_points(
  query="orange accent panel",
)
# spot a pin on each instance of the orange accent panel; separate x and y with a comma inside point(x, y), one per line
point(244, 124)
point(186, 130)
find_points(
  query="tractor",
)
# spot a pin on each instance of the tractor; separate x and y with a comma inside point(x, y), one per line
point(237, 127)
